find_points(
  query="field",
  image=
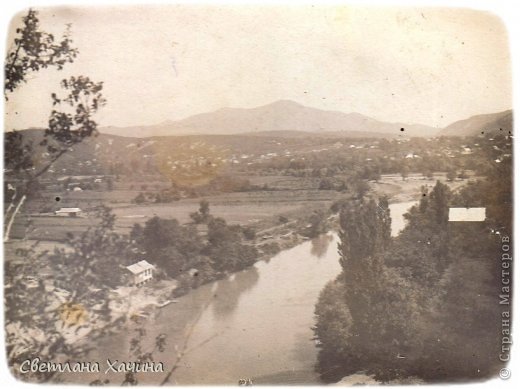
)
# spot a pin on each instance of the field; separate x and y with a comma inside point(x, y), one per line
point(289, 197)
point(254, 208)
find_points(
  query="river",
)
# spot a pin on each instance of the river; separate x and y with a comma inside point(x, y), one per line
point(397, 211)
point(256, 324)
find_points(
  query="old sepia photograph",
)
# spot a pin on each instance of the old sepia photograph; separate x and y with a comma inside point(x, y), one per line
point(257, 195)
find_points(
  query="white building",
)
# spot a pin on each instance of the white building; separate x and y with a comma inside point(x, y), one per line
point(73, 212)
point(142, 272)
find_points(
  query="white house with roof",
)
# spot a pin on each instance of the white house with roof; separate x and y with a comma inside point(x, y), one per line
point(141, 272)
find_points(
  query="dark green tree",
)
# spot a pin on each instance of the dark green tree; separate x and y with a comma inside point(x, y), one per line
point(365, 230)
point(203, 214)
point(317, 223)
point(377, 307)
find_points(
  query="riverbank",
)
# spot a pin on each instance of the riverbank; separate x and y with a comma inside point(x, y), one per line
point(132, 302)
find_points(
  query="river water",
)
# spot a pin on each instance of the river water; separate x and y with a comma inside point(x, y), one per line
point(397, 212)
point(255, 324)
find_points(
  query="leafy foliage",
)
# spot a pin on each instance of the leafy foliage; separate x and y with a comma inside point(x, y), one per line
point(317, 224)
point(203, 215)
point(181, 249)
point(34, 50)
point(83, 99)
point(54, 300)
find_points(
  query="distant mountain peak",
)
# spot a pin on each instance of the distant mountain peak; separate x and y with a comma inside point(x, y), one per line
point(284, 103)
point(282, 115)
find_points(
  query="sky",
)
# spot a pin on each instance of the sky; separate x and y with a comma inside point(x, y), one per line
point(430, 66)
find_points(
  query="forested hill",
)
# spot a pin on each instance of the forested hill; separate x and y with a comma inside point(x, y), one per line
point(488, 124)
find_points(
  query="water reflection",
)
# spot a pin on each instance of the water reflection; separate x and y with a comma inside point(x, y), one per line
point(229, 290)
point(320, 244)
point(303, 347)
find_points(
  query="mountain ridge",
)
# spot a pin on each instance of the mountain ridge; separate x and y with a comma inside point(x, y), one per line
point(281, 115)
point(286, 118)
point(489, 123)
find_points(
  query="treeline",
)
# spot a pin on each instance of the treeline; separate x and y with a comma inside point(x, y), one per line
point(183, 253)
point(425, 303)
point(220, 184)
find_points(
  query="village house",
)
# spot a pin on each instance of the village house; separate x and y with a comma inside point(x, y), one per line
point(141, 273)
point(73, 212)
